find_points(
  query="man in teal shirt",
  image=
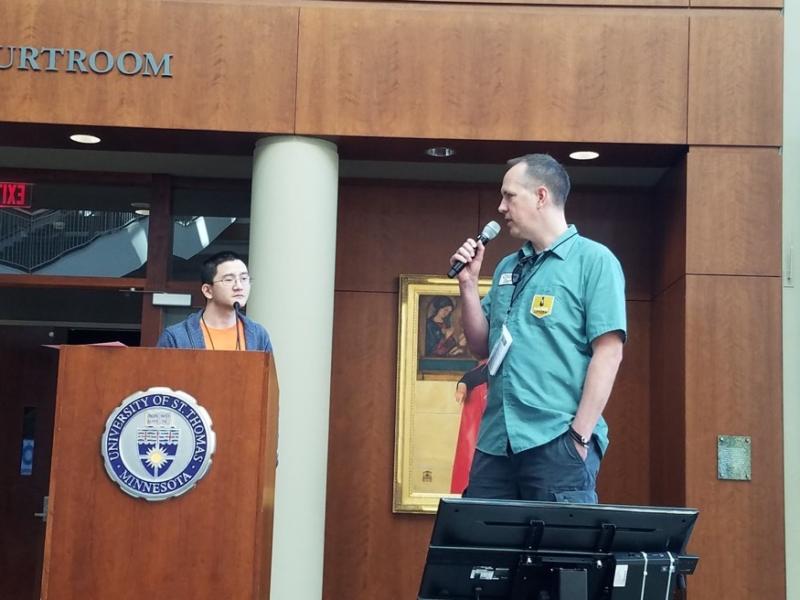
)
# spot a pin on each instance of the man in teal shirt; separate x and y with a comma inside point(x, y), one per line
point(553, 326)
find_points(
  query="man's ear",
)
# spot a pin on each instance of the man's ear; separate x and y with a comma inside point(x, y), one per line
point(206, 290)
point(542, 194)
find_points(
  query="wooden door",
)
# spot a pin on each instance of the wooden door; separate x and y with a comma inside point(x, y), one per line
point(27, 401)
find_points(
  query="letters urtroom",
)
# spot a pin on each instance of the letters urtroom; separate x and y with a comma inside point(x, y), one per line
point(76, 60)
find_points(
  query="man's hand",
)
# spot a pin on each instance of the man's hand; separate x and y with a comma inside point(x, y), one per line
point(476, 327)
point(603, 367)
point(471, 254)
point(461, 393)
point(583, 451)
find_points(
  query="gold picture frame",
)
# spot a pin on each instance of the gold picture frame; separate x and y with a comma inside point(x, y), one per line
point(432, 356)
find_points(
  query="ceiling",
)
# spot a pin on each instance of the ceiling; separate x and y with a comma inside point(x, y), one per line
point(229, 155)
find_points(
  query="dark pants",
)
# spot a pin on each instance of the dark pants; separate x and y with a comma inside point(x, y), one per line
point(552, 472)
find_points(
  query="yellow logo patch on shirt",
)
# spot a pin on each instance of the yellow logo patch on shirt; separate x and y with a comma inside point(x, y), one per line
point(542, 306)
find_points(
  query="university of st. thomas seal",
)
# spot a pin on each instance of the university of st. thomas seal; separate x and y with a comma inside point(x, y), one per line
point(158, 444)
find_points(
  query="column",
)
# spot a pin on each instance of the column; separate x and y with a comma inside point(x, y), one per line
point(292, 259)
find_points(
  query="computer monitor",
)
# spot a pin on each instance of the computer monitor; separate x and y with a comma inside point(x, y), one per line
point(520, 550)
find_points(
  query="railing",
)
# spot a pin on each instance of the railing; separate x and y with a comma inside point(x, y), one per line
point(30, 241)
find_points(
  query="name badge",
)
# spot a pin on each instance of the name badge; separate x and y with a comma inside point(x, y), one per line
point(506, 279)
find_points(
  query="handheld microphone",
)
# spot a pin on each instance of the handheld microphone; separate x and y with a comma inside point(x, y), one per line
point(489, 232)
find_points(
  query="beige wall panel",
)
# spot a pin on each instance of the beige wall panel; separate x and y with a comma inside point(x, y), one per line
point(735, 77)
point(667, 397)
point(491, 73)
point(733, 205)
point(369, 551)
point(233, 69)
point(733, 387)
point(625, 472)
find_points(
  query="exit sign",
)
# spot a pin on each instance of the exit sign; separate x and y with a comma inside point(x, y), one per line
point(15, 195)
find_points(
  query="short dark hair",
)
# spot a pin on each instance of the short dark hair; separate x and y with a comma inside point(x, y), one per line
point(543, 169)
point(209, 269)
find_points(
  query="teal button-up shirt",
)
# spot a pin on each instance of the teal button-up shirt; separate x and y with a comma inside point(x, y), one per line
point(564, 298)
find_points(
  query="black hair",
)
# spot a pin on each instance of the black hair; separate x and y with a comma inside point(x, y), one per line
point(209, 269)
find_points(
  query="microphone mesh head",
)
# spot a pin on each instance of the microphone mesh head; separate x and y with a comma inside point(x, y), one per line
point(491, 230)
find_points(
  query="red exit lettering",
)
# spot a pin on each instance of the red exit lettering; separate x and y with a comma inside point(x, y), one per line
point(15, 195)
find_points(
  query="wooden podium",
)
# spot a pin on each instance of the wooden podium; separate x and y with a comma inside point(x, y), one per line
point(214, 541)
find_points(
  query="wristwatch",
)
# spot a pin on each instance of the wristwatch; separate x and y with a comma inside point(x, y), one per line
point(583, 441)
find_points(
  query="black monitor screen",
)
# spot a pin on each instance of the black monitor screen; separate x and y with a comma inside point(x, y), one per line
point(502, 549)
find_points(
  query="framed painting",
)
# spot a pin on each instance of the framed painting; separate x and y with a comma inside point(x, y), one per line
point(432, 356)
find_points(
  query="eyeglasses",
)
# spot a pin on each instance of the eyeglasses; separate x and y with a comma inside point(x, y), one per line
point(229, 280)
point(516, 274)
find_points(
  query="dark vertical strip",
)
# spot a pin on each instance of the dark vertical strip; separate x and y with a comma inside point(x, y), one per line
point(159, 256)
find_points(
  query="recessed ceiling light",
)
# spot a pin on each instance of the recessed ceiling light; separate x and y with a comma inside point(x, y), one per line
point(584, 155)
point(440, 152)
point(141, 208)
point(84, 138)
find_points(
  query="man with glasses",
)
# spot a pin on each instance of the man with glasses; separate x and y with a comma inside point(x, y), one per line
point(553, 325)
point(220, 325)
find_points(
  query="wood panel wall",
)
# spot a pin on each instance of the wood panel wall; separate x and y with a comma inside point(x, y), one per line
point(736, 3)
point(624, 476)
point(669, 229)
point(735, 77)
point(667, 397)
point(733, 387)
point(668, 342)
point(369, 551)
point(733, 205)
point(716, 362)
point(635, 3)
point(233, 69)
point(414, 70)
point(510, 74)
point(733, 373)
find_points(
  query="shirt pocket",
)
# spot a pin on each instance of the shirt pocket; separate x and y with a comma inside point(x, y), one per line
point(500, 303)
point(544, 307)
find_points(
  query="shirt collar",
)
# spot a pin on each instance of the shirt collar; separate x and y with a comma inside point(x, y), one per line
point(561, 247)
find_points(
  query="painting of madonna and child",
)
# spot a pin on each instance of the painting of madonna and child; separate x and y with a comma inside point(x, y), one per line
point(441, 399)
point(443, 355)
point(444, 346)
